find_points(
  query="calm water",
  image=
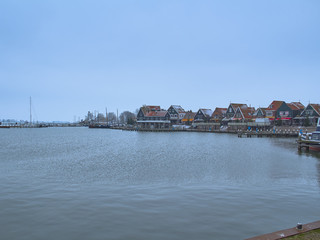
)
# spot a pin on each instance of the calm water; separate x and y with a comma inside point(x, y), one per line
point(79, 183)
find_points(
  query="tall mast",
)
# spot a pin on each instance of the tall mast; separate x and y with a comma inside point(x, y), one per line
point(30, 112)
point(107, 115)
point(117, 117)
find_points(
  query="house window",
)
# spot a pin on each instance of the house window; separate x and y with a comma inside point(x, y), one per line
point(309, 112)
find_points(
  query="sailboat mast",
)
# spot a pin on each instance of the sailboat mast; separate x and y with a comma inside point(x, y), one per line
point(107, 115)
point(117, 118)
point(30, 113)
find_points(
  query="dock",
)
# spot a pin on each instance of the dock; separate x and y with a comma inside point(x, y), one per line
point(248, 134)
point(299, 230)
point(307, 145)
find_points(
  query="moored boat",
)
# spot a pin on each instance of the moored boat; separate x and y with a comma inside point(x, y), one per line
point(310, 140)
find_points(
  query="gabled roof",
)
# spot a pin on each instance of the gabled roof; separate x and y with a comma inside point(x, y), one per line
point(219, 111)
point(219, 114)
point(152, 107)
point(189, 116)
point(247, 113)
point(206, 112)
point(156, 114)
point(293, 106)
point(275, 105)
point(147, 108)
point(316, 108)
point(263, 110)
point(178, 108)
point(298, 105)
point(236, 105)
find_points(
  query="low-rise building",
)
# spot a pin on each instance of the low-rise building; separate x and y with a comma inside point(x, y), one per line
point(310, 115)
point(260, 113)
point(231, 110)
point(203, 115)
point(296, 107)
point(176, 114)
point(244, 114)
point(188, 118)
point(218, 114)
point(279, 113)
point(152, 117)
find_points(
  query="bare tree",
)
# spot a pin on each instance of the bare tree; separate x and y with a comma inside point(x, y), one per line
point(127, 117)
point(112, 118)
point(89, 116)
point(101, 117)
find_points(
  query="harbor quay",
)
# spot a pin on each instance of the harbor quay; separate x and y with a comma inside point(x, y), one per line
point(301, 231)
point(235, 116)
point(278, 117)
point(276, 132)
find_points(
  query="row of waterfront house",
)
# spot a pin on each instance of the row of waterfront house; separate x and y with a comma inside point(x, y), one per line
point(235, 116)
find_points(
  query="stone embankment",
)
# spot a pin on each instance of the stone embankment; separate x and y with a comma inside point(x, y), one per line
point(275, 132)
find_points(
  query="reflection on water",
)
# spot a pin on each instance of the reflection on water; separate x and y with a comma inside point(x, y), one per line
point(77, 183)
point(312, 154)
point(288, 143)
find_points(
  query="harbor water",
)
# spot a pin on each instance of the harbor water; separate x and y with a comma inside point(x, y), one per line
point(80, 183)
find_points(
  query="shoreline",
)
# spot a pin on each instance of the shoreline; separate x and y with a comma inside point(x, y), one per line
point(279, 132)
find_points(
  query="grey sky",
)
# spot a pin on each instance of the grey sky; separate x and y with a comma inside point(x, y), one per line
point(75, 56)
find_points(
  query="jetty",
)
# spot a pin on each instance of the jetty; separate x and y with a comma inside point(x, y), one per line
point(307, 144)
point(301, 231)
point(310, 141)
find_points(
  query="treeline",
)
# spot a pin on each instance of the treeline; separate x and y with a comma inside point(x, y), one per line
point(111, 118)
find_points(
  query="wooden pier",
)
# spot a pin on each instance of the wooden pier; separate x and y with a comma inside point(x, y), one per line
point(298, 232)
point(308, 145)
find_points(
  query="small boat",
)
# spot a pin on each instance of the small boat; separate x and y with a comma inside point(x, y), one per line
point(310, 140)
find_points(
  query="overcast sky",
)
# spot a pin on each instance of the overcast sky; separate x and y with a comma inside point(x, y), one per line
point(77, 56)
